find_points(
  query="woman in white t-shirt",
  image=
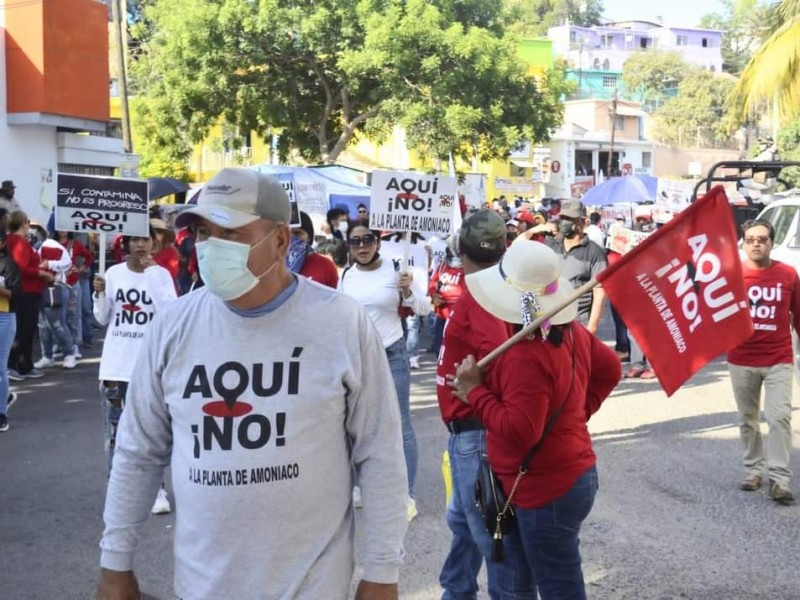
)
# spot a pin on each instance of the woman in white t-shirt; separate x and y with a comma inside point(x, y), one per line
point(382, 290)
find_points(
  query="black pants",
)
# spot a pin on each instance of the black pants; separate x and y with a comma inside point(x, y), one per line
point(620, 333)
point(27, 308)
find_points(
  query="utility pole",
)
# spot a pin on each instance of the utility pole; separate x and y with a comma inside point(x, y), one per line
point(613, 131)
point(122, 82)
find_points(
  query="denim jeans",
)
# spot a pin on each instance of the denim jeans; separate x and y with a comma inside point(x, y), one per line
point(53, 326)
point(112, 398)
point(621, 344)
point(412, 334)
point(8, 328)
point(510, 579)
point(551, 542)
point(87, 318)
point(74, 312)
point(438, 333)
point(401, 374)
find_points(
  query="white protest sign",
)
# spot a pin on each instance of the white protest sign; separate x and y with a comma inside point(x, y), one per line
point(90, 204)
point(287, 181)
point(410, 201)
point(622, 239)
point(672, 197)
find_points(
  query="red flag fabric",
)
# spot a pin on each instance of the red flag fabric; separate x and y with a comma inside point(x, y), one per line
point(681, 291)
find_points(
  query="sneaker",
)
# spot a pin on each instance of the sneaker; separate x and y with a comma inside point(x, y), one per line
point(3, 422)
point(34, 374)
point(413, 362)
point(780, 494)
point(412, 509)
point(750, 483)
point(648, 374)
point(76, 351)
point(15, 375)
point(70, 362)
point(357, 503)
point(12, 398)
point(43, 363)
point(634, 372)
point(57, 353)
point(161, 505)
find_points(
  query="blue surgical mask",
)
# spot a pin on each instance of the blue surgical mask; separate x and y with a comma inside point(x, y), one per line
point(223, 267)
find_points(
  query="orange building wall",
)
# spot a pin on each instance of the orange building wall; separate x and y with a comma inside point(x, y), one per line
point(57, 58)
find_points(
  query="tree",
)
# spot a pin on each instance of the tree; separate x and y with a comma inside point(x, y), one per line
point(535, 17)
point(772, 72)
point(653, 76)
point(697, 115)
point(321, 71)
point(742, 22)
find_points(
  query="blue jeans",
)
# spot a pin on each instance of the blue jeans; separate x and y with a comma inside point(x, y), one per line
point(412, 334)
point(401, 374)
point(112, 397)
point(8, 329)
point(87, 318)
point(438, 333)
point(550, 540)
point(75, 312)
point(53, 326)
point(471, 543)
point(622, 344)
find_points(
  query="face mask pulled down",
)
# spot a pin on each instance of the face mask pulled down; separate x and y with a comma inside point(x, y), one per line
point(223, 267)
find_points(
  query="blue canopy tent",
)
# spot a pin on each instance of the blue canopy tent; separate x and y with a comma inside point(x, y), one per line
point(630, 188)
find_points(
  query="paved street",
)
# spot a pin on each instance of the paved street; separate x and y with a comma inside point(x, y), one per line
point(669, 521)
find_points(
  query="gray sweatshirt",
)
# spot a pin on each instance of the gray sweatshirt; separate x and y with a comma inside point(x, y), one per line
point(260, 419)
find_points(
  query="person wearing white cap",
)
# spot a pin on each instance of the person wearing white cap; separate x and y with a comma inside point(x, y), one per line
point(541, 391)
point(259, 422)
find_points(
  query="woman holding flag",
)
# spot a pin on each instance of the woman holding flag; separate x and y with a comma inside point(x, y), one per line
point(540, 393)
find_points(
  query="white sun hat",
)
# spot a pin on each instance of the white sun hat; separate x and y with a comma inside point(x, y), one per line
point(524, 285)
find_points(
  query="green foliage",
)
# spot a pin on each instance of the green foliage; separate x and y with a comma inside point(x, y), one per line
point(653, 76)
point(743, 25)
point(535, 17)
point(321, 71)
point(163, 153)
point(789, 146)
point(697, 116)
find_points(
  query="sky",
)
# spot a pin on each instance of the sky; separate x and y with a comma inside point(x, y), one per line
point(674, 12)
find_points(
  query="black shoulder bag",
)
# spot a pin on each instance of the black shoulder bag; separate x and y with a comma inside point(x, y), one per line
point(495, 507)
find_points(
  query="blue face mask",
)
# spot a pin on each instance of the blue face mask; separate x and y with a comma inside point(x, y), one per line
point(223, 267)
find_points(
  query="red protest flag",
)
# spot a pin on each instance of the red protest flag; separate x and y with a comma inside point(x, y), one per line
point(681, 291)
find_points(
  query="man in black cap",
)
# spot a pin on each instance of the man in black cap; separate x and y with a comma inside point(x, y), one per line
point(583, 260)
point(7, 200)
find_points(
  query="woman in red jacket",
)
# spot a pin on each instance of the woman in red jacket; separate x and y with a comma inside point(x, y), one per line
point(559, 376)
point(35, 278)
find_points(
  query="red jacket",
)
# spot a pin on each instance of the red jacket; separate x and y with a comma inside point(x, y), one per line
point(27, 259)
point(523, 387)
point(76, 249)
point(170, 260)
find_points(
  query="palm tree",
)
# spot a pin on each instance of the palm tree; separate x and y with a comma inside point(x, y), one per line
point(773, 72)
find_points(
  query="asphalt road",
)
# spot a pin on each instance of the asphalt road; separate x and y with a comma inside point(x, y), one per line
point(669, 521)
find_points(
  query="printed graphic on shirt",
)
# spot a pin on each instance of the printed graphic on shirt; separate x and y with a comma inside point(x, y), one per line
point(229, 423)
point(764, 302)
point(133, 312)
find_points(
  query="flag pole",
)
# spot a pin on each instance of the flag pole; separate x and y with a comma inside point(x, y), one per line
point(526, 331)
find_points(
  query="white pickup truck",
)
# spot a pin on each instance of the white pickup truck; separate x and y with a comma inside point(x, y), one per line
point(784, 214)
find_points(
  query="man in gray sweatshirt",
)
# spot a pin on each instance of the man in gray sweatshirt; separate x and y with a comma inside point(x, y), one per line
point(261, 422)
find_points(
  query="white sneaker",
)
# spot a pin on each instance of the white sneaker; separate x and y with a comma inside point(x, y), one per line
point(44, 363)
point(161, 505)
point(70, 362)
point(412, 509)
point(413, 362)
point(76, 351)
point(357, 503)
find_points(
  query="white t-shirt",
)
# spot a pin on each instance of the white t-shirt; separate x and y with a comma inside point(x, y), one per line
point(596, 235)
point(378, 293)
point(438, 250)
point(130, 302)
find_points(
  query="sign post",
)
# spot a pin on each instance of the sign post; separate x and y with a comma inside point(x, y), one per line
point(288, 183)
point(102, 205)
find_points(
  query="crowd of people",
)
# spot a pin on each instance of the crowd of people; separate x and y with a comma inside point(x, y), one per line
point(300, 438)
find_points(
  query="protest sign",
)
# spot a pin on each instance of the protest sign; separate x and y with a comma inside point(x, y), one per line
point(672, 198)
point(622, 239)
point(287, 181)
point(681, 291)
point(410, 201)
point(90, 204)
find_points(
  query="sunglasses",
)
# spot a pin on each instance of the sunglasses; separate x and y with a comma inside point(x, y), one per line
point(761, 239)
point(366, 240)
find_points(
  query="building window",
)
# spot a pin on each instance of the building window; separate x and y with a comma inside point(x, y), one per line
point(681, 40)
point(705, 43)
point(644, 43)
point(573, 36)
point(609, 81)
point(647, 160)
point(606, 65)
point(619, 122)
point(85, 169)
point(606, 41)
point(596, 64)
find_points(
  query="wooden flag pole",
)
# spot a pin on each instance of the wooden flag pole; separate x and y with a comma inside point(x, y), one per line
point(526, 331)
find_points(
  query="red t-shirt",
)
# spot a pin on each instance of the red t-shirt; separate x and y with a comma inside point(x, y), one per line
point(169, 259)
point(448, 282)
point(76, 249)
point(27, 259)
point(320, 269)
point(774, 295)
point(469, 330)
point(523, 387)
